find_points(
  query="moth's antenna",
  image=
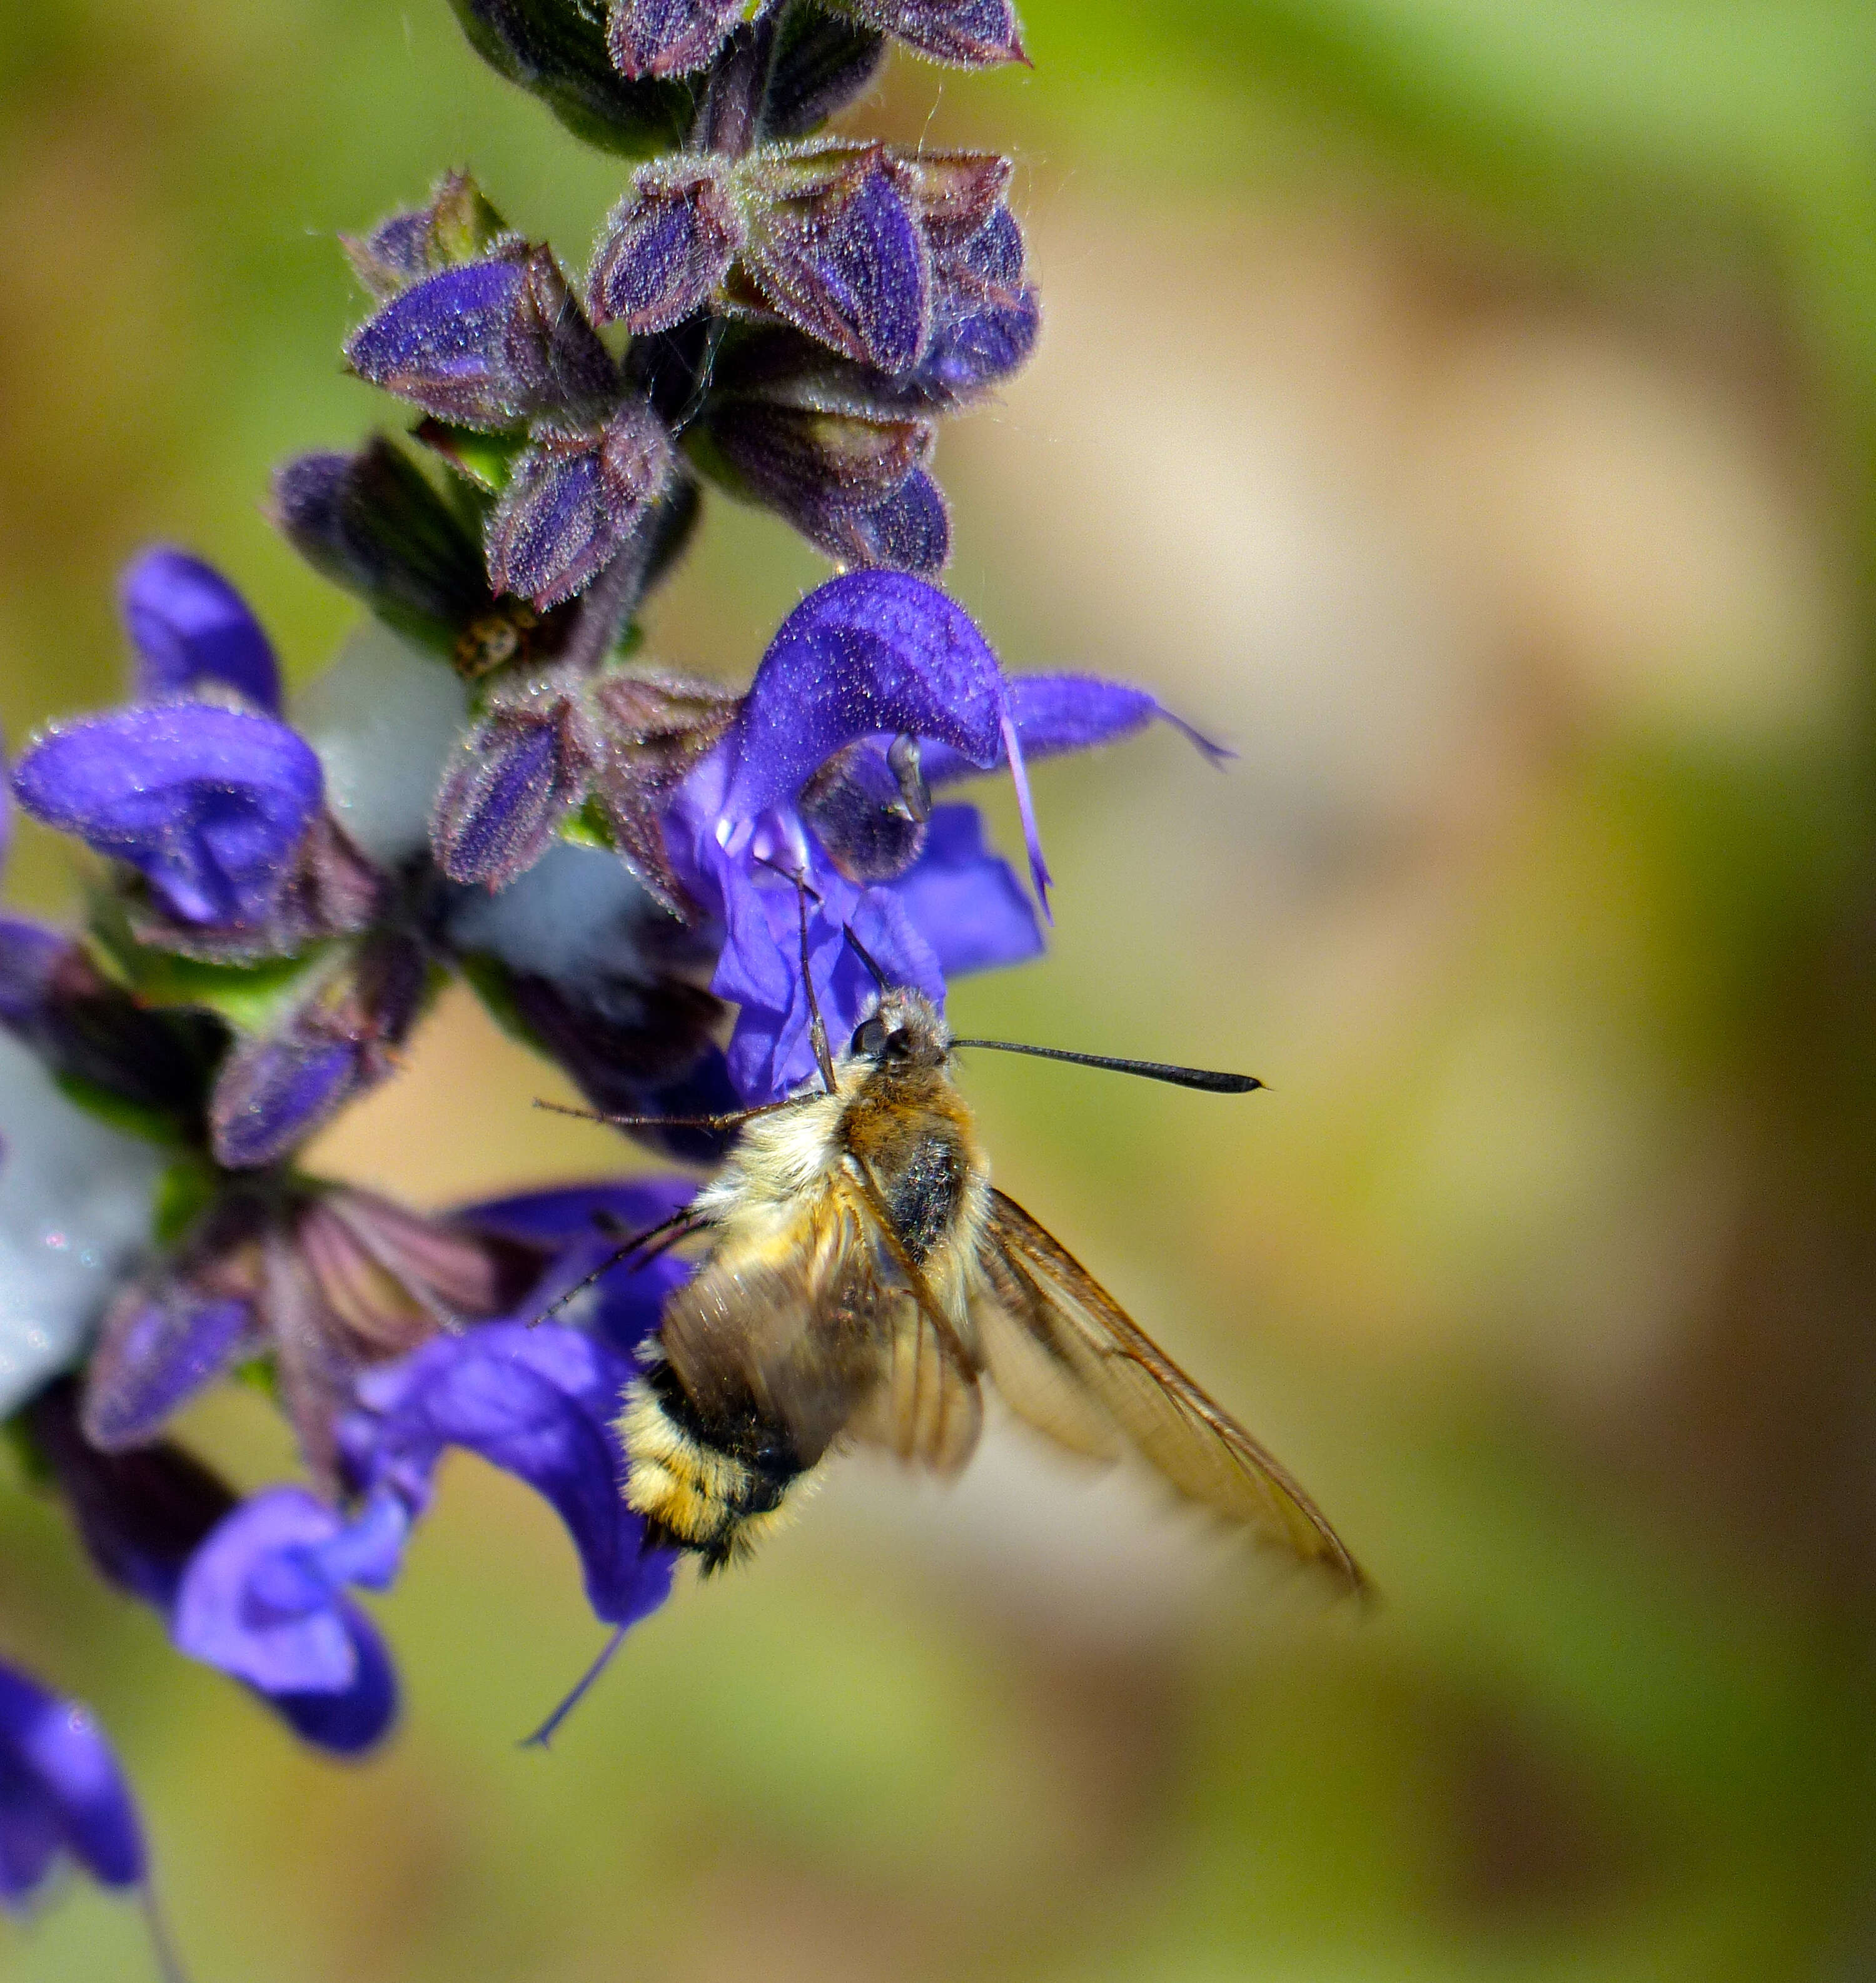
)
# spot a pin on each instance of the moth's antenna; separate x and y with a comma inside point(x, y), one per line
point(545, 1733)
point(1204, 1079)
point(816, 1026)
point(680, 1218)
point(865, 957)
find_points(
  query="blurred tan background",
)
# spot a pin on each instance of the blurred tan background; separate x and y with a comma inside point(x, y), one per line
point(1464, 406)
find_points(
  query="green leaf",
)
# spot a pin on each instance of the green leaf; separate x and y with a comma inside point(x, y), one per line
point(250, 996)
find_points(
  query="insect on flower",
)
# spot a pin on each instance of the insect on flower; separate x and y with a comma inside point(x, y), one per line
point(864, 1280)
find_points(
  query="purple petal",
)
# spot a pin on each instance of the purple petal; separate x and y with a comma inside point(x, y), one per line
point(158, 1351)
point(538, 1403)
point(976, 343)
point(60, 1788)
point(771, 1050)
point(257, 1602)
point(666, 245)
point(1055, 713)
point(667, 37)
point(355, 1717)
point(964, 900)
point(871, 653)
point(852, 270)
point(207, 802)
point(627, 1301)
point(190, 626)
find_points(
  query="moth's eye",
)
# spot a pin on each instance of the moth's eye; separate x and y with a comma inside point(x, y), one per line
point(869, 1037)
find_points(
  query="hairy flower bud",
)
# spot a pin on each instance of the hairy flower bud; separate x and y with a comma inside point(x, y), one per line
point(516, 774)
point(557, 49)
point(459, 225)
point(971, 34)
point(837, 249)
point(653, 728)
point(822, 62)
point(337, 1038)
point(489, 344)
point(573, 497)
point(372, 523)
point(825, 470)
point(658, 37)
point(665, 246)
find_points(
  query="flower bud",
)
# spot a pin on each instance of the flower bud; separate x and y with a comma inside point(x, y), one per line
point(657, 38)
point(665, 246)
point(372, 523)
point(822, 62)
point(520, 768)
point(337, 1038)
point(910, 531)
point(458, 226)
point(192, 629)
point(837, 250)
point(488, 344)
point(970, 34)
point(574, 498)
point(557, 49)
point(653, 729)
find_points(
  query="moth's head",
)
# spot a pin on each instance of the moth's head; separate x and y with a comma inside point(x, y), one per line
point(903, 1031)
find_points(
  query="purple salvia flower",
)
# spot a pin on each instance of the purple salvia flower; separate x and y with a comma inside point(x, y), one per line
point(61, 1793)
point(263, 1599)
point(574, 496)
point(538, 1403)
point(655, 38)
point(965, 900)
point(192, 631)
point(665, 247)
point(1056, 713)
point(207, 803)
point(873, 654)
point(489, 344)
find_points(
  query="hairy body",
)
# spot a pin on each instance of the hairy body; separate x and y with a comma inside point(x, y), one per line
point(864, 1281)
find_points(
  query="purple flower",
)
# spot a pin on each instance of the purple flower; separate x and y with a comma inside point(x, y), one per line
point(208, 804)
point(155, 1521)
point(192, 630)
point(263, 1599)
point(61, 1793)
point(538, 1399)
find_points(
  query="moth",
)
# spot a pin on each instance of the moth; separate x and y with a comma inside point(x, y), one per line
point(865, 1282)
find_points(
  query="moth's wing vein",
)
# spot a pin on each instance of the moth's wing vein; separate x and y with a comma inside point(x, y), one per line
point(1068, 1358)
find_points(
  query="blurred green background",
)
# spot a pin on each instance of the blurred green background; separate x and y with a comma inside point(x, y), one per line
point(1468, 407)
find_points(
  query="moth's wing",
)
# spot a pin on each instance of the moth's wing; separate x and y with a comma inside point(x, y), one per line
point(1067, 1357)
point(927, 1406)
point(807, 1332)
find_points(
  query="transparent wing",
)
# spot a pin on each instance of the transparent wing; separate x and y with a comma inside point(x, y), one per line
point(1067, 1357)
